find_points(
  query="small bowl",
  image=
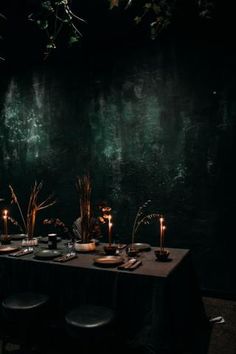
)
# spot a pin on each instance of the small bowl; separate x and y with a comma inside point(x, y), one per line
point(162, 255)
point(110, 250)
point(132, 252)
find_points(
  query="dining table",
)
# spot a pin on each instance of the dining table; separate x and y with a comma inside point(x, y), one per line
point(158, 305)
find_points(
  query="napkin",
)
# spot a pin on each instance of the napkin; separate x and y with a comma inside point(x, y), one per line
point(135, 265)
point(128, 264)
point(67, 257)
point(22, 252)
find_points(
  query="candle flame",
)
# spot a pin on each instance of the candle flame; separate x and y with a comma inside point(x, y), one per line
point(5, 214)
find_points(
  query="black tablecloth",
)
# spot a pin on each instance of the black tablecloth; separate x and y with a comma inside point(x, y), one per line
point(158, 305)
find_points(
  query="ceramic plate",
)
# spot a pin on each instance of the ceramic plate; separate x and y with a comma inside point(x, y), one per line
point(17, 236)
point(44, 239)
point(8, 249)
point(108, 261)
point(47, 254)
point(141, 246)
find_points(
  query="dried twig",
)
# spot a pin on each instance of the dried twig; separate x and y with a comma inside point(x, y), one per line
point(33, 207)
point(141, 218)
point(83, 185)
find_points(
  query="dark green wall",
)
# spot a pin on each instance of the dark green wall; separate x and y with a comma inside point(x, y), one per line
point(153, 120)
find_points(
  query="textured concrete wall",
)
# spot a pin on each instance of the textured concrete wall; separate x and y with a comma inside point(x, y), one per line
point(155, 121)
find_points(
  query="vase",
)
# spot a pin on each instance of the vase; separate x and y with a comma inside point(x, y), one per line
point(85, 246)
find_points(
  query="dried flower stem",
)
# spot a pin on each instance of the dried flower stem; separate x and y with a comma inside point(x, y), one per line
point(83, 185)
point(33, 207)
point(15, 200)
point(140, 218)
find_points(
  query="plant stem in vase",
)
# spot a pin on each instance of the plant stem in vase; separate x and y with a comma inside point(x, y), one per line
point(83, 185)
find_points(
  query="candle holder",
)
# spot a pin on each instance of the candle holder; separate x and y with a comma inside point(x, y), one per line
point(5, 239)
point(110, 250)
point(162, 255)
point(132, 251)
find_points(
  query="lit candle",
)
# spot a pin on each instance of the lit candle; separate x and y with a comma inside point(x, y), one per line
point(163, 236)
point(5, 218)
point(161, 233)
point(109, 229)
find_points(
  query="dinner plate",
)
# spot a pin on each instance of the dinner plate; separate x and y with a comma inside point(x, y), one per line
point(47, 254)
point(108, 261)
point(44, 239)
point(8, 249)
point(17, 236)
point(140, 246)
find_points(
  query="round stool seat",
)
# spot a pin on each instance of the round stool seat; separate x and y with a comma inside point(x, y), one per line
point(89, 317)
point(25, 301)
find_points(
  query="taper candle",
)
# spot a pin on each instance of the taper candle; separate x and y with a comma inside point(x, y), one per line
point(109, 229)
point(163, 236)
point(161, 233)
point(5, 219)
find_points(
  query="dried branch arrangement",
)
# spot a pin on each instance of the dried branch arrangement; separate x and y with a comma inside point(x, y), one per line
point(142, 218)
point(58, 224)
point(34, 206)
point(83, 185)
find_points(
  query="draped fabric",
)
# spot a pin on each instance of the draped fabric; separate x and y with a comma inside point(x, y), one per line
point(158, 306)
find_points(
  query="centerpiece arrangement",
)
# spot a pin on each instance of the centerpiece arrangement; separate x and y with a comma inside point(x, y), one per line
point(140, 218)
point(85, 244)
point(34, 206)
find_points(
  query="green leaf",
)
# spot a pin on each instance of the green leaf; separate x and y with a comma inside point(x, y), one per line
point(51, 45)
point(137, 19)
point(147, 5)
point(156, 8)
point(73, 39)
point(48, 6)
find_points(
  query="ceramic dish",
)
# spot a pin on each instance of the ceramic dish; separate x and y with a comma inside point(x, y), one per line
point(140, 246)
point(108, 261)
point(8, 249)
point(17, 236)
point(47, 254)
point(44, 239)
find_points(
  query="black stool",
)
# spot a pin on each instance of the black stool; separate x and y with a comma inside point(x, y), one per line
point(92, 326)
point(24, 313)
